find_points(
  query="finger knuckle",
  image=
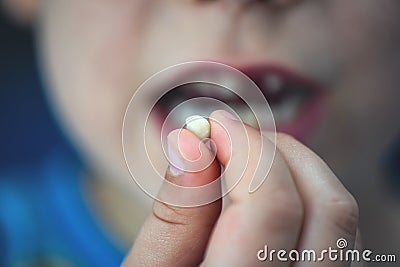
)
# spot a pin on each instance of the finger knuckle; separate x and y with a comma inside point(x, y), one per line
point(344, 212)
point(169, 214)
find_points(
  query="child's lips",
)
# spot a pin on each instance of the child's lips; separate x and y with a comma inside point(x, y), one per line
point(297, 102)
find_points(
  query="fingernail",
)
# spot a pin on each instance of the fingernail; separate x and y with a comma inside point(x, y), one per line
point(209, 143)
point(228, 115)
point(175, 160)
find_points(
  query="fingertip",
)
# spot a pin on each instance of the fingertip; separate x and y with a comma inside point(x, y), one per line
point(184, 142)
point(191, 163)
point(223, 114)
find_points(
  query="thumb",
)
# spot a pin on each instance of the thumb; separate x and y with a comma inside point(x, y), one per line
point(173, 235)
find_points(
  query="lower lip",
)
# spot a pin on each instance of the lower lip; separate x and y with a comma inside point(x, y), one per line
point(307, 119)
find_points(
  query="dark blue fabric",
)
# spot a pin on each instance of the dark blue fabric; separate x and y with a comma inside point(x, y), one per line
point(45, 219)
point(28, 131)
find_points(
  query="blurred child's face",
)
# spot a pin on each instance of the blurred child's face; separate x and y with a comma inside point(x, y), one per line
point(96, 53)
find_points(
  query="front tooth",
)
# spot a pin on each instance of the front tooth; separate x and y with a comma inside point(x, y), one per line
point(286, 111)
point(273, 82)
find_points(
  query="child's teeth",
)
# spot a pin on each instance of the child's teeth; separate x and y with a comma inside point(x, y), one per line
point(283, 114)
point(233, 84)
point(273, 83)
point(286, 111)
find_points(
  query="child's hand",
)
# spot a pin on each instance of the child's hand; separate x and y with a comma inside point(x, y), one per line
point(301, 205)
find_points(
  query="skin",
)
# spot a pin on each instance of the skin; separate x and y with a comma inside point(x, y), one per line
point(94, 55)
point(299, 210)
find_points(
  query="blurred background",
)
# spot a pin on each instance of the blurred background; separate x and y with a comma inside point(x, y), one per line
point(28, 131)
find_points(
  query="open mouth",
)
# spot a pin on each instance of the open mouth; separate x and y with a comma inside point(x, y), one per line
point(296, 102)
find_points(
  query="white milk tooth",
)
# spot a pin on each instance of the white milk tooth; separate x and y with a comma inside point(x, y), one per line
point(199, 126)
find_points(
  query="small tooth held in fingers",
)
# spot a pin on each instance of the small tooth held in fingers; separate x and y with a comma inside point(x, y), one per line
point(199, 126)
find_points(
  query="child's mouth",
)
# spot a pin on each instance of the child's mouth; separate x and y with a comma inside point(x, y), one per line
point(296, 102)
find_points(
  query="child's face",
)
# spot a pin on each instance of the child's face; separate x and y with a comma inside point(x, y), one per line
point(96, 53)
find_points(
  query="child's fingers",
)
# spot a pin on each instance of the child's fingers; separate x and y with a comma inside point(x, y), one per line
point(270, 216)
point(331, 211)
point(175, 236)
